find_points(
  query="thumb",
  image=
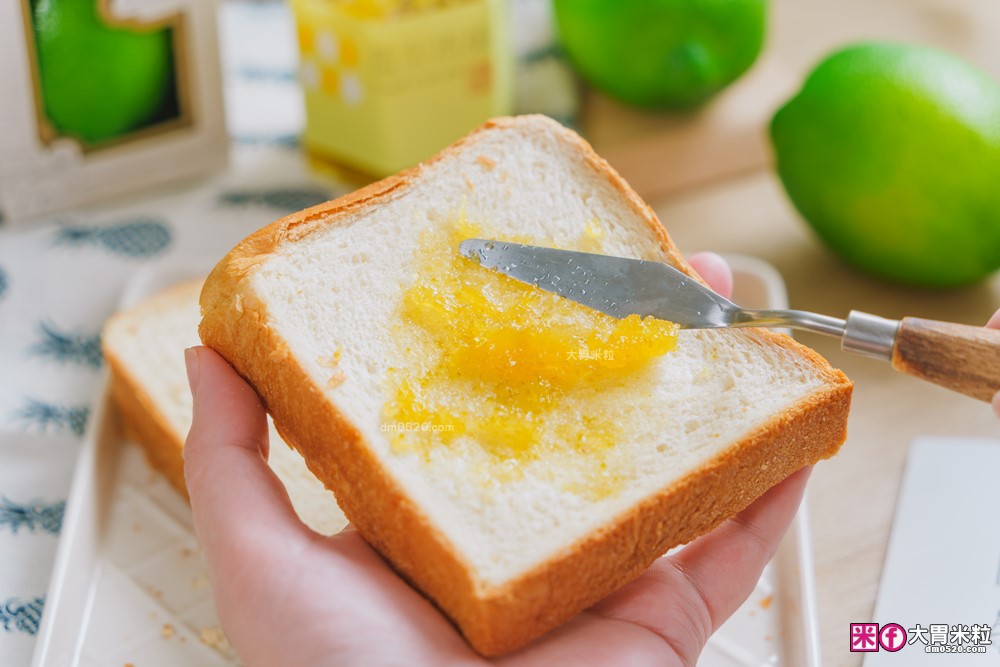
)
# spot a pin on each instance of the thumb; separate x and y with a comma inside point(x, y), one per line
point(715, 270)
point(239, 505)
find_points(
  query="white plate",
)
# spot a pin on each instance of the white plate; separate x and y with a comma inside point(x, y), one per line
point(130, 586)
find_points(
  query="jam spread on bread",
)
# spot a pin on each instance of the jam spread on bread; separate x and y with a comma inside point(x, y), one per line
point(502, 362)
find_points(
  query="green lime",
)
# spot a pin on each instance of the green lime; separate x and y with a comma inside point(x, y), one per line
point(892, 153)
point(661, 53)
point(99, 82)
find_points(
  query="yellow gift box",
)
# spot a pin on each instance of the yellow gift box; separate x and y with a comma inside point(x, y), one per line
point(388, 83)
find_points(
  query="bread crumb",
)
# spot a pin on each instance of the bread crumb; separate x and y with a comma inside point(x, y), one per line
point(487, 163)
point(154, 591)
point(332, 361)
point(766, 602)
point(336, 380)
point(168, 631)
point(199, 582)
point(129, 664)
point(468, 183)
point(186, 552)
point(213, 636)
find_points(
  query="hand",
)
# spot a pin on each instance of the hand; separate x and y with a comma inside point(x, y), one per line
point(288, 596)
point(994, 323)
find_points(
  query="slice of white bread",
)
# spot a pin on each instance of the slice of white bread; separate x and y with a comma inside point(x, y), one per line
point(720, 419)
point(144, 346)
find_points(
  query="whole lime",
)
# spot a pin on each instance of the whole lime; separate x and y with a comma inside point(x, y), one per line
point(661, 53)
point(892, 153)
point(98, 82)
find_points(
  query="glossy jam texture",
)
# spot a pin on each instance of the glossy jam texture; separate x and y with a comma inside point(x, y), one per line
point(500, 362)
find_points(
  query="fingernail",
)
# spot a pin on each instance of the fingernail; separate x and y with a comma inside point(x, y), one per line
point(193, 368)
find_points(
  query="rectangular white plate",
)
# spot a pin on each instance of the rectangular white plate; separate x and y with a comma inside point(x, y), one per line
point(130, 586)
point(941, 566)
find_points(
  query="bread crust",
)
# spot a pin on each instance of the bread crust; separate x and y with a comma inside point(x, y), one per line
point(498, 619)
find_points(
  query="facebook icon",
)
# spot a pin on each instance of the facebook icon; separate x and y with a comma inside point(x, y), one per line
point(892, 637)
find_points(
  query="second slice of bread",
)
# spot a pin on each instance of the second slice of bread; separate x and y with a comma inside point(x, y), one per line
point(725, 416)
point(144, 347)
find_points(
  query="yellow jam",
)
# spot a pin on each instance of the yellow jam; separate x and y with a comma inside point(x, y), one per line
point(502, 363)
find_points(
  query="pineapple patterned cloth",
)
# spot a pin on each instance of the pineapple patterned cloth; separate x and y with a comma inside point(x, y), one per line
point(61, 277)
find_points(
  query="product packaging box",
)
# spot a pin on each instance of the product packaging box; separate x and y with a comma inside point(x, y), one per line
point(388, 83)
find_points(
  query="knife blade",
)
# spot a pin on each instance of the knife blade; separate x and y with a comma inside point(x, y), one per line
point(616, 286)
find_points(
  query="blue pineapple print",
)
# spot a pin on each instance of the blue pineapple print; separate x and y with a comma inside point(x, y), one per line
point(37, 514)
point(47, 416)
point(262, 74)
point(25, 615)
point(280, 140)
point(66, 347)
point(134, 238)
point(282, 199)
point(3, 282)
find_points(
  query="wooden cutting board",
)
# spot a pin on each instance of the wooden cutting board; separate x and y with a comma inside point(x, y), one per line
point(661, 152)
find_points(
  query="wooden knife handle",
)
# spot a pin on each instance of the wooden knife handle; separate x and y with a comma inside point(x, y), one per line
point(959, 357)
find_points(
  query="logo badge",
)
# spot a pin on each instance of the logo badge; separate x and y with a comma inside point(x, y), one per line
point(892, 637)
point(864, 637)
